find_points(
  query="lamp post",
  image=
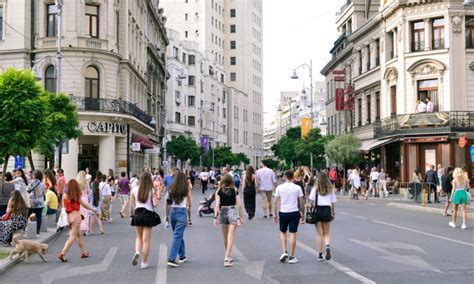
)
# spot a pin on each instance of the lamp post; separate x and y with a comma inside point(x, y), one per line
point(295, 76)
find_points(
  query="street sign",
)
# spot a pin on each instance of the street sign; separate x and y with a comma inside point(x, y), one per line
point(154, 150)
point(19, 162)
point(136, 146)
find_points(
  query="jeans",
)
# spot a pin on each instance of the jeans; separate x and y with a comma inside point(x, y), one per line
point(178, 221)
point(3, 210)
point(51, 211)
point(38, 213)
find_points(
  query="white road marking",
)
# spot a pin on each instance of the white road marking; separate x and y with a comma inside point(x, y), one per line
point(162, 270)
point(424, 233)
point(337, 265)
point(361, 217)
point(66, 272)
point(252, 268)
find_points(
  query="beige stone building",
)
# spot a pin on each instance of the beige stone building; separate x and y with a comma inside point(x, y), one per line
point(113, 67)
point(402, 53)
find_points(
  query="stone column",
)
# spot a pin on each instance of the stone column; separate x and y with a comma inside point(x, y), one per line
point(395, 43)
point(428, 31)
point(106, 153)
point(70, 161)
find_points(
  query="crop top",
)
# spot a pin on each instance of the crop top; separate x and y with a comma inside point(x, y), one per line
point(228, 199)
point(74, 206)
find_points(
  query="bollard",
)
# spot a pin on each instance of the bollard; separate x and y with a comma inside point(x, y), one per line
point(423, 193)
point(51, 220)
point(31, 230)
point(44, 225)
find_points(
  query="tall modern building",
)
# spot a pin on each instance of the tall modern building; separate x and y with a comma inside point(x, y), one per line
point(229, 34)
point(113, 67)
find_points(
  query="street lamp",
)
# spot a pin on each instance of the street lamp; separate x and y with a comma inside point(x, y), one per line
point(295, 76)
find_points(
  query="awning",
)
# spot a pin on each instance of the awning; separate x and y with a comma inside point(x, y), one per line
point(371, 144)
point(144, 142)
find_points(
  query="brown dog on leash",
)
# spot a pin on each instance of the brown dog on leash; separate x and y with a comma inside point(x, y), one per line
point(27, 247)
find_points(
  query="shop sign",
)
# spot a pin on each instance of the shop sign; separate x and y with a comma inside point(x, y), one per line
point(425, 140)
point(339, 99)
point(462, 141)
point(106, 127)
point(339, 75)
point(154, 150)
point(122, 163)
point(136, 147)
point(19, 162)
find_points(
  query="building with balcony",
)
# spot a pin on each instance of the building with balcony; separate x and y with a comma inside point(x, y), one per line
point(269, 134)
point(113, 67)
point(407, 53)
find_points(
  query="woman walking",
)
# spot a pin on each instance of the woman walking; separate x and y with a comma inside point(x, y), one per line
point(143, 200)
point(106, 198)
point(322, 196)
point(179, 199)
point(72, 202)
point(123, 193)
point(250, 192)
point(15, 218)
point(81, 180)
point(356, 184)
point(459, 197)
point(95, 201)
point(36, 198)
point(227, 204)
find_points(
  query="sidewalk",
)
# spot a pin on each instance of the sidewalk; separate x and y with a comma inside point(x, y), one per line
point(44, 237)
point(399, 201)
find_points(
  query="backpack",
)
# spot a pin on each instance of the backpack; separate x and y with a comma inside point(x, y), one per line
point(236, 180)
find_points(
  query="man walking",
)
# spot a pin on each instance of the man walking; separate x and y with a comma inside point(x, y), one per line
point(204, 177)
point(431, 179)
point(290, 198)
point(265, 183)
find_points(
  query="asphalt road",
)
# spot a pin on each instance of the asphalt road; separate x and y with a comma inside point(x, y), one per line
point(371, 243)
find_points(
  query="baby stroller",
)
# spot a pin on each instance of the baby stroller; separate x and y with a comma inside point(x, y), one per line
point(205, 206)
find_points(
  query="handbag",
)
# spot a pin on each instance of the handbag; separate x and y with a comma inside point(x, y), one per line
point(311, 217)
point(63, 220)
point(156, 218)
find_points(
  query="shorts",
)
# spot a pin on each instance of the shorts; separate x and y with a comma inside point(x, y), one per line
point(124, 198)
point(460, 197)
point(228, 216)
point(289, 221)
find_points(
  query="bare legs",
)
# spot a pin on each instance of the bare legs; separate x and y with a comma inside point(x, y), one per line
point(228, 233)
point(142, 241)
point(74, 233)
point(292, 243)
point(455, 212)
point(92, 220)
point(322, 230)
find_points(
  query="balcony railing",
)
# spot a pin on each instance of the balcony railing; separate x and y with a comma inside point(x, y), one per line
point(112, 106)
point(438, 43)
point(417, 45)
point(425, 123)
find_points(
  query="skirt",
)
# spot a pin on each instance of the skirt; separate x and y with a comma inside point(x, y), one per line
point(145, 218)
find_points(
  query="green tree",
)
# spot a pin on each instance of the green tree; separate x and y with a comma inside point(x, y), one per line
point(22, 114)
point(285, 148)
point(240, 158)
point(223, 156)
point(183, 148)
point(313, 144)
point(272, 164)
point(344, 149)
point(62, 123)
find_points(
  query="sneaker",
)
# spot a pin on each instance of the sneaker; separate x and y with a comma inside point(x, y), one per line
point(271, 215)
point(135, 258)
point(320, 257)
point(292, 260)
point(182, 259)
point(265, 217)
point(88, 233)
point(144, 265)
point(283, 257)
point(452, 224)
point(172, 263)
point(227, 263)
point(463, 226)
point(328, 253)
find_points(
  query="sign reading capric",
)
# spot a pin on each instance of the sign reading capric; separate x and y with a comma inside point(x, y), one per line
point(106, 127)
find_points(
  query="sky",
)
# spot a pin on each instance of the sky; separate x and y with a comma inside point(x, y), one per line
point(295, 32)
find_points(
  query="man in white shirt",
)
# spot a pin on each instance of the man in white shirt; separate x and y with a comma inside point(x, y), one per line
point(204, 177)
point(290, 198)
point(265, 183)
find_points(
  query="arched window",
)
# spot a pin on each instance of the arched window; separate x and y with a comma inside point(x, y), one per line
point(92, 82)
point(50, 79)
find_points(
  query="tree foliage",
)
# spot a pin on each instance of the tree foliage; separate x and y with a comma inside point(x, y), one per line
point(62, 122)
point(272, 164)
point(344, 149)
point(22, 113)
point(183, 148)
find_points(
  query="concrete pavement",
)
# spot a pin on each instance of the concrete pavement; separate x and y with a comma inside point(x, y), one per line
point(371, 243)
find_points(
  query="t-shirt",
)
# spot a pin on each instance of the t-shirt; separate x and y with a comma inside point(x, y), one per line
point(167, 181)
point(133, 182)
point(148, 205)
point(123, 185)
point(266, 179)
point(289, 194)
point(374, 176)
point(228, 199)
point(446, 183)
point(51, 200)
point(105, 189)
point(326, 200)
point(204, 176)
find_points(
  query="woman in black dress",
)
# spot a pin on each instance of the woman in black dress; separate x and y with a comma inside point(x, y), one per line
point(250, 192)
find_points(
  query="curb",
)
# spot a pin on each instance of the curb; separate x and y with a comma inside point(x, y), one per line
point(424, 209)
point(7, 263)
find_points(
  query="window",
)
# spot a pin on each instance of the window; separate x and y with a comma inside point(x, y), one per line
point(213, 106)
point(1, 22)
point(368, 57)
point(191, 80)
point(91, 21)
point(377, 52)
point(438, 33)
point(191, 59)
point(223, 129)
point(92, 82)
point(184, 57)
point(191, 121)
point(428, 89)
point(359, 112)
point(233, 76)
point(222, 78)
point(232, 28)
point(50, 79)
point(469, 32)
point(186, 34)
point(377, 106)
point(177, 117)
point(360, 62)
point(186, 16)
point(418, 36)
point(369, 110)
point(175, 53)
point(191, 100)
point(232, 44)
point(224, 112)
point(233, 60)
point(52, 18)
point(232, 13)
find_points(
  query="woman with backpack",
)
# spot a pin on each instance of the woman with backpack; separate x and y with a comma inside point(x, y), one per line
point(250, 192)
point(322, 196)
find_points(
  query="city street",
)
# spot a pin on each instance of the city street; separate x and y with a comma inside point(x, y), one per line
point(371, 243)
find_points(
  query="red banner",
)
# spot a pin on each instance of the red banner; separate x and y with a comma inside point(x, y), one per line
point(339, 99)
point(350, 98)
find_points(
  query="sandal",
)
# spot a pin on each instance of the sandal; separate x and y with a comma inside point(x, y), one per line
point(190, 223)
point(62, 257)
point(84, 254)
point(121, 215)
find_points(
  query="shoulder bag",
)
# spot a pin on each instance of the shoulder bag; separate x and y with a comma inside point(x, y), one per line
point(311, 217)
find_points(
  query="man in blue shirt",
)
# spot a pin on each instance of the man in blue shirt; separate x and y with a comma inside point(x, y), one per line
point(169, 179)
